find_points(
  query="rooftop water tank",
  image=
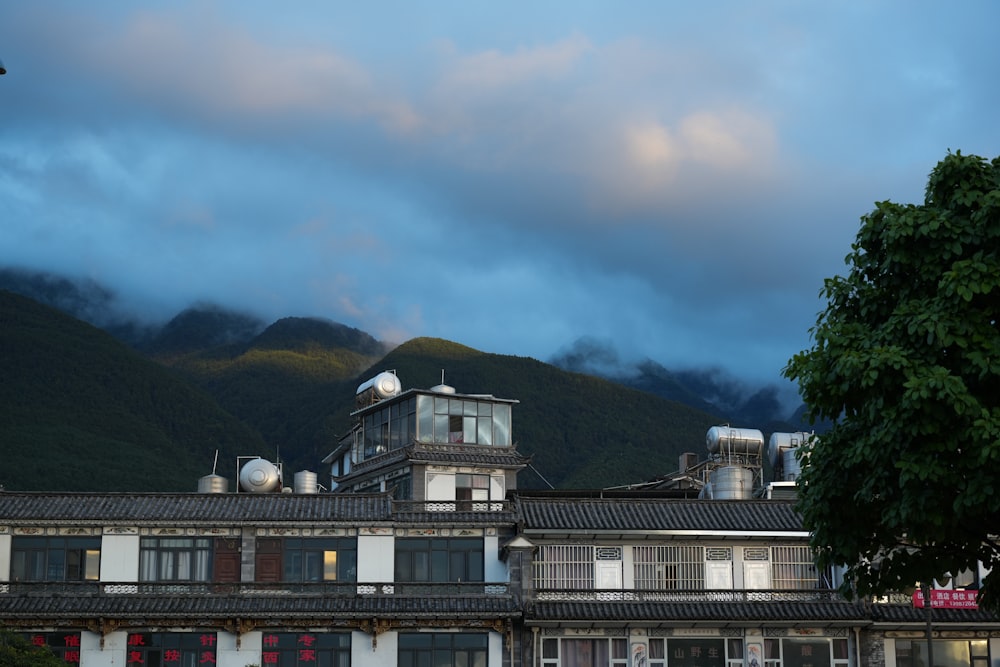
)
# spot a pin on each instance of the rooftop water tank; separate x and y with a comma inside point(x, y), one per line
point(213, 484)
point(382, 386)
point(779, 443)
point(732, 483)
point(728, 440)
point(259, 476)
point(305, 482)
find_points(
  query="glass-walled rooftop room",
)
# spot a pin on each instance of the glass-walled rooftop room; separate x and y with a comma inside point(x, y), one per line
point(433, 419)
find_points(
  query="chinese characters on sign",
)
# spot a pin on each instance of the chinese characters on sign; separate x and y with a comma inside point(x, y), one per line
point(696, 653)
point(304, 649)
point(959, 599)
point(65, 645)
point(163, 649)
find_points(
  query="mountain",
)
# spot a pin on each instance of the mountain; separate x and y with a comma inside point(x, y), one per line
point(285, 381)
point(79, 410)
point(285, 391)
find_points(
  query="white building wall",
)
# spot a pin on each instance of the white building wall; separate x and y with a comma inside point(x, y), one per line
point(376, 558)
point(495, 569)
point(112, 655)
point(120, 558)
point(363, 654)
point(4, 557)
point(227, 655)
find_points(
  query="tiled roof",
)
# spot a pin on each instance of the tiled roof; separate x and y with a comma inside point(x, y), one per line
point(191, 508)
point(686, 613)
point(623, 514)
point(894, 614)
point(484, 456)
point(255, 607)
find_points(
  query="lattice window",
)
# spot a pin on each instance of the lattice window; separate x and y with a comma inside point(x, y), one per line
point(792, 568)
point(719, 553)
point(669, 567)
point(565, 566)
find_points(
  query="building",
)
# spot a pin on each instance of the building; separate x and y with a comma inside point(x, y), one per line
point(426, 553)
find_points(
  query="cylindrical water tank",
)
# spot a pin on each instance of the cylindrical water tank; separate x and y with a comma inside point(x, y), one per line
point(305, 482)
point(383, 385)
point(728, 440)
point(213, 484)
point(259, 476)
point(790, 465)
point(778, 443)
point(732, 483)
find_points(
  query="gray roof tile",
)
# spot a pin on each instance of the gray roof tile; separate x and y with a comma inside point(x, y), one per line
point(558, 515)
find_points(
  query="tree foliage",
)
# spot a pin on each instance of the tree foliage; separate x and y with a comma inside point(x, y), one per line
point(17, 651)
point(905, 359)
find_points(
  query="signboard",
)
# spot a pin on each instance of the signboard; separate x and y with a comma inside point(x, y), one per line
point(944, 599)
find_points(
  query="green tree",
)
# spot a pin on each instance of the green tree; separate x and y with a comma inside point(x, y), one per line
point(905, 360)
point(16, 651)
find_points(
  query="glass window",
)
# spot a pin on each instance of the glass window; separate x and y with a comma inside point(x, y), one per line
point(170, 649)
point(947, 653)
point(585, 652)
point(305, 649)
point(320, 559)
point(472, 492)
point(55, 558)
point(439, 559)
point(805, 652)
point(175, 558)
point(442, 649)
point(66, 645)
point(678, 567)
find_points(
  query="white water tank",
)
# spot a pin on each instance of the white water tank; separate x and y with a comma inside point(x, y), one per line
point(259, 476)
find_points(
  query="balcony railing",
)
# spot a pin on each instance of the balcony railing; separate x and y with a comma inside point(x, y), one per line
point(614, 595)
point(421, 506)
point(309, 589)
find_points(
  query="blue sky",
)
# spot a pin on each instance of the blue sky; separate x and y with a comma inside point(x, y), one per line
point(673, 178)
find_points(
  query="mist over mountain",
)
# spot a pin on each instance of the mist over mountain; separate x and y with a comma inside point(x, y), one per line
point(206, 326)
point(712, 390)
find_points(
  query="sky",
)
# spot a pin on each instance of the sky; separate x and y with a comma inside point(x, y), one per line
point(674, 180)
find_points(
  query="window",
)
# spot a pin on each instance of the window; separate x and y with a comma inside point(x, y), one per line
point(584, 652)
point(320, 559)
point(171, 649)
point(66, 645)
point(175, 558)
point(55, 558)
point(792, 568)
point(439, 559)
point(807, 652)
point(387, 429)
point(672, 567)
point(700, 652)
point(444, 419)
point(441, 649)
point(559, 566)
point(947, 653)
point(470, 488)
point(306, 649)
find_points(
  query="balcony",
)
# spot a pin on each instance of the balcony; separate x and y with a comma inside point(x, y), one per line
point(724, 596)
point(257, 589)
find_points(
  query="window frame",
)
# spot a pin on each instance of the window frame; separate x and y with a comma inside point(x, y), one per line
point(67, 553)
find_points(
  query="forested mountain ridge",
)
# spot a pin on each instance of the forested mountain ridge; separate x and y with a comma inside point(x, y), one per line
point(79, 410)
point(285, 391)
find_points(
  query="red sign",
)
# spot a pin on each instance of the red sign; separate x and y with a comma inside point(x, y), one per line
point(960, 599)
